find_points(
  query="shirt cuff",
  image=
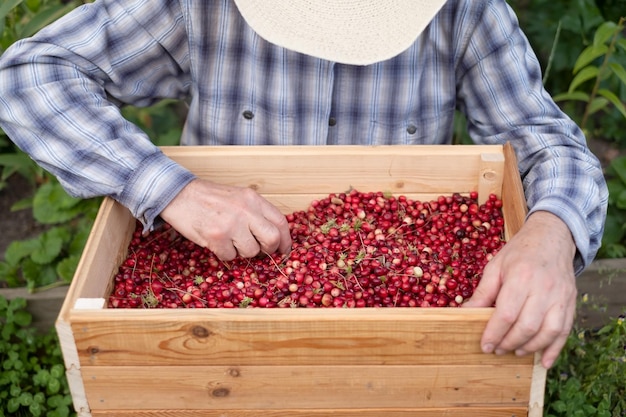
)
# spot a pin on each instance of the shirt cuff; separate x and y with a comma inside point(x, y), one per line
point(152, 186)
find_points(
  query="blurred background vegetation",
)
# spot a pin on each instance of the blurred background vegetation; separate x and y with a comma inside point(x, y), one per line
point(581, 45)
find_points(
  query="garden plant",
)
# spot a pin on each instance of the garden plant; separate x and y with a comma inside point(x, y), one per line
point(582, 48)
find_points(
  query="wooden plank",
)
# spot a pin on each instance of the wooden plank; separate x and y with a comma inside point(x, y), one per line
point(514, 206)
point(603, 286)
point(299, 169)
point(305, 387)
point(283, 336)
point(537, 388)
point(515, 210)
point(490, 176)
point(356, 412)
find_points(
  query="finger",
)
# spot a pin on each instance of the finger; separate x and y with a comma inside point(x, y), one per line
point(247, 246)
point(528, 324)
point(508, 307)
point(266, 234)
point(487, 290)
point(553, 335)
point(223, 249)
point(279, 221)
point(551, 353)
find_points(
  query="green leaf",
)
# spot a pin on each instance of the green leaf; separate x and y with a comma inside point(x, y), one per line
point(598, 104)
point(21, 163)
point(44, 18)
point(52, 204)
point(67, 267)
point(621, 43)
point(22, 204)
point(585, 74)
point(38, 275)
point(26, 398)
point(617, 167)
point(20, 249)
point(35, 409)
point(609, 95)
point(49, 247)
point(12, 405)
point(9, 275)
point(613, 231)
point(57, 371)
point(7, 6)
point(605, 32)
point(17, 304)
point(54, 386)
point(575, 95)
point(619, 71)
point(22, 318)
point(588, 55)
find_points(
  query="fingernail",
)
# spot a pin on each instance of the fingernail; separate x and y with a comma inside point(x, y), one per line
point(488, 348)
point(520, 352)
point(500, 351)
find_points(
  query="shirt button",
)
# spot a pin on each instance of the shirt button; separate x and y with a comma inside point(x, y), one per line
point(332, 121)
point(248, 115)
point(411, 129)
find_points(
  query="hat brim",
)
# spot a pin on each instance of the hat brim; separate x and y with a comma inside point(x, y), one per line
point(357, 32)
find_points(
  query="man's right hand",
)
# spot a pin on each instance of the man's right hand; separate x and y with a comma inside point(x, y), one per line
point(229, 221)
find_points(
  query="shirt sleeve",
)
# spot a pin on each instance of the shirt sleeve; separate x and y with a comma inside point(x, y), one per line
point(502, 94)
point(60, 93)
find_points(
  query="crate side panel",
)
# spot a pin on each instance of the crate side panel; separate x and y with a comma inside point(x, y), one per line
point(284, 336)
point(105, 249)
point(514, 208)
point(355, 412)
point(305, 387)
point(403, 169)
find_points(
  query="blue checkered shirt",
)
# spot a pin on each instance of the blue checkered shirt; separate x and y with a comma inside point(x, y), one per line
point(60, 93)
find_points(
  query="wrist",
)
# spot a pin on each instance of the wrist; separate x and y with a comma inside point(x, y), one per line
point(553, 227)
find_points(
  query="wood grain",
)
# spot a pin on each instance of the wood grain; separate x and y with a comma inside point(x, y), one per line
point(353, 412)
point(393, 336)
point(296, 362)
point(305, 387)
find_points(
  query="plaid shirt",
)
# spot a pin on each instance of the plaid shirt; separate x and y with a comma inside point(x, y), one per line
point(60, 92)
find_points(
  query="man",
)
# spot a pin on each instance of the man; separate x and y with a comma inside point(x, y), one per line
point(317, 73)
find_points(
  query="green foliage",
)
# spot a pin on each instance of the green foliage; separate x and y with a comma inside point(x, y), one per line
point(598, 76)
point(614, 238)
point(22, 18)
point(32, 373)
point(566, 33)
point(558, 30)
point(50, 258)
point(589, 378)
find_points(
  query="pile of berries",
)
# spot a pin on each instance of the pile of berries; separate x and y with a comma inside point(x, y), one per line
point(354, 249)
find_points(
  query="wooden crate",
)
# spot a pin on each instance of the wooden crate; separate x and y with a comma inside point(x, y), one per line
point(298, 362)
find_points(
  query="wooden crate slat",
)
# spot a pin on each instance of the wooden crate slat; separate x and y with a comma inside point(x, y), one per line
point(355, 412)
point(405, 169)
point(513, 201)
point(283, 336)
point(306, 387)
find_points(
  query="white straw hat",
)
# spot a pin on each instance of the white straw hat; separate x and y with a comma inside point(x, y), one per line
point(357, 32)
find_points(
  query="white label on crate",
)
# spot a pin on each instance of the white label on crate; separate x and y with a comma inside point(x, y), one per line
point(89, 303)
